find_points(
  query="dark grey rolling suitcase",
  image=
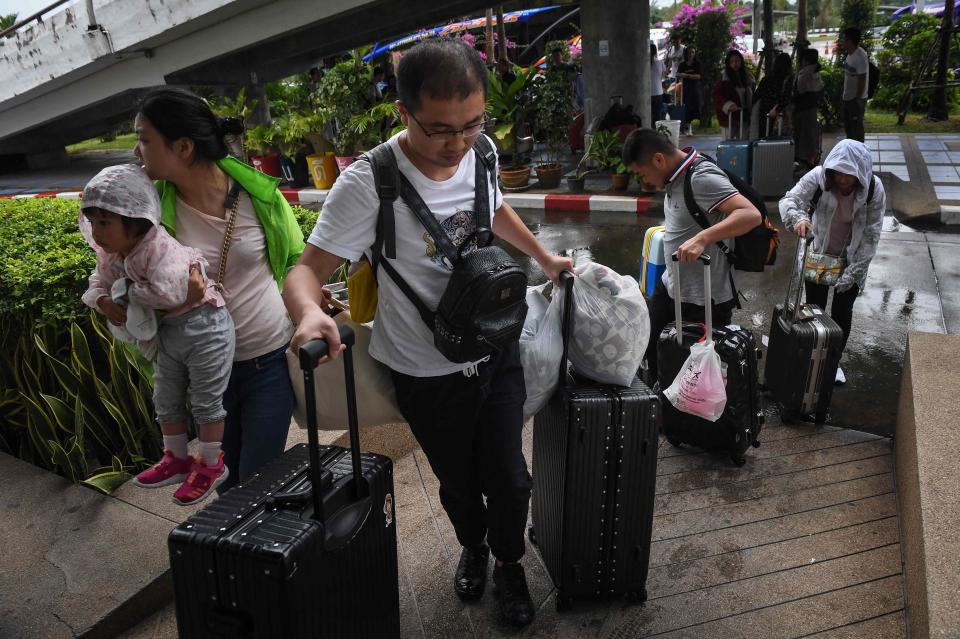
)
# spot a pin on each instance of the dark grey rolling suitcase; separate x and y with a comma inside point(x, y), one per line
point(803, 353)
point(738, 428)
point(274, 558)
point(772, 168)
point(594, 470)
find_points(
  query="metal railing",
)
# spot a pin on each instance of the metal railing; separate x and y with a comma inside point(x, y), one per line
point(38, 16)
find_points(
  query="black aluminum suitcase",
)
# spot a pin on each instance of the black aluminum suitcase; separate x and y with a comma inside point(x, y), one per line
point(803, 354)
point(739, 427)
point(594, 470)
point(270, 559)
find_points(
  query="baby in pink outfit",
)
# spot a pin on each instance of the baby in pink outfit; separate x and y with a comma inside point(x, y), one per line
point(141, 269)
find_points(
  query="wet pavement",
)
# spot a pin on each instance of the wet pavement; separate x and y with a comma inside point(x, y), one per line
point(902, 294)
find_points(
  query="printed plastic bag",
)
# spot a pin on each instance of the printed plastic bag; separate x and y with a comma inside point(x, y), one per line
point(700, 388)
point(611, 325)
point(541, 348)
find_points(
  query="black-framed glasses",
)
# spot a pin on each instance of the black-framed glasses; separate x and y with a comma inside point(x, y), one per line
point(471, 131)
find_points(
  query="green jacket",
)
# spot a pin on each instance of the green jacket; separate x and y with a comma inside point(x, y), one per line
point(283, 234)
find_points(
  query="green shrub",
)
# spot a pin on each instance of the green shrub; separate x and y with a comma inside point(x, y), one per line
point(905, 43)
point(861, 14)
point(711, 41)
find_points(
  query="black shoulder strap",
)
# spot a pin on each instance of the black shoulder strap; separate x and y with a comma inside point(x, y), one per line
point(386, 180)
point(698, 214)
point(815, 201)
point(486, 161)
point(873, 184)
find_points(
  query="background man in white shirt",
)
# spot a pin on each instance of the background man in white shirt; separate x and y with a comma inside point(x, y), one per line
point(856, 68)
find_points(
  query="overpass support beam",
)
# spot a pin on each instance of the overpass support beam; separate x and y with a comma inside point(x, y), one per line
point(616, 61)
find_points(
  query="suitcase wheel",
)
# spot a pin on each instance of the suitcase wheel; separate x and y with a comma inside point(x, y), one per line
point(820, 418)
point(532, 535)
point(755, 443)
point(564, 603)
point(739, 460)
point(674, 441)
point(637, 596)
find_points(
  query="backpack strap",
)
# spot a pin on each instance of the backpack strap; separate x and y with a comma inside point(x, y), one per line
point(486, 163)
point(386, 181)
point(815, 200)
point(873, 184)
point(700, 216)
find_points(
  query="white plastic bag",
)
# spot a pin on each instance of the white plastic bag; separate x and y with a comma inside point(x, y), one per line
point(611, 325)
point(541, 348)
point(700, 388)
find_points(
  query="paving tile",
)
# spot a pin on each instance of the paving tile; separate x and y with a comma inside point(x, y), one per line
point(771, 531)
point(930, 145)
point(752, 489)
point(954, 156)
point(872, 143)
point(716, 517)
point(681, 611)
point(673, 579)
point(943, 174)
point(809, 614)
point(935, 157)
point(889, 144)
point(889, 626)
point(888, 136)
point(875, 156)
point(722, 473)
point(947, 192)
point(892, 157)
point(425, 557)
point(899, 170)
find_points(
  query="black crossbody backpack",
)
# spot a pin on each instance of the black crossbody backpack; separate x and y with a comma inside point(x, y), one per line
point(483, 308)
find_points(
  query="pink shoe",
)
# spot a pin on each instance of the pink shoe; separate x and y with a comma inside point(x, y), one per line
point(170, 470)
point(201, 481)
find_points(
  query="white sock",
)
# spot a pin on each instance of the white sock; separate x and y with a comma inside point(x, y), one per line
point(176, 444)
point(210, 453)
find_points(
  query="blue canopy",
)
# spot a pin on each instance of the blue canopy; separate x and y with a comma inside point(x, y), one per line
point(439, 32)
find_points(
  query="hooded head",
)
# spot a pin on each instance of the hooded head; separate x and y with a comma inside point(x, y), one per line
point(849, 157)
point(125, 191)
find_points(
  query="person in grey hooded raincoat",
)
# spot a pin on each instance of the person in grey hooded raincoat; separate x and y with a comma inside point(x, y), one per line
point(846, 221)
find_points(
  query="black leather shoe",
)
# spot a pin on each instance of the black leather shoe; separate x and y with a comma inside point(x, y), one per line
point(471, 577)
point(515, 603)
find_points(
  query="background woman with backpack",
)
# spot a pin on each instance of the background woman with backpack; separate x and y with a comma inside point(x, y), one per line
point(841, 205)
point(772, 96)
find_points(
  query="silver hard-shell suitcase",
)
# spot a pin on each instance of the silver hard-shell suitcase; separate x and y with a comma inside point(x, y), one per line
point(772, 166)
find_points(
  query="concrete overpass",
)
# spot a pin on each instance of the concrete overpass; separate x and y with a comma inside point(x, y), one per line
point(62, 81)
point(81, 70)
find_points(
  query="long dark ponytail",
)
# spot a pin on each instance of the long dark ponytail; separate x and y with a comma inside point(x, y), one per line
point(178, 113)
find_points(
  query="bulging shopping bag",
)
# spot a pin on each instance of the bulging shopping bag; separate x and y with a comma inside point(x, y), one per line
point(700, 388)
point(541, 348)
point(611, 325)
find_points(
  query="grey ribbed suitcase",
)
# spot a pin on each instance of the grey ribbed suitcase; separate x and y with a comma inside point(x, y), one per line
point(772, 167)
point(268, 559)
point(594, 470)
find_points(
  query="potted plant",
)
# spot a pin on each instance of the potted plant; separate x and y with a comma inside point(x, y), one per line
point(289, 131)
point(577, 179)
point(262, 145)
point(554, 99)
point(508, 106)
point(621, 177)
point(605, 151)
point(342, 94)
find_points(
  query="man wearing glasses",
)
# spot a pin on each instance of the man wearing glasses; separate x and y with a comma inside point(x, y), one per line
point(466, 417)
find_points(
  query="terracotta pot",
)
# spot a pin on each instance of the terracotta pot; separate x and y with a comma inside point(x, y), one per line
point(515, 177)
point(549, 175)
point(621, 181)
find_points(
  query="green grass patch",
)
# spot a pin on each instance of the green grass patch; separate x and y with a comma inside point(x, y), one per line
point(121, 142)
point(886, 122)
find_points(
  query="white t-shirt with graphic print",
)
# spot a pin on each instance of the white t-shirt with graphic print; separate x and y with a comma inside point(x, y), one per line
point(346, 228)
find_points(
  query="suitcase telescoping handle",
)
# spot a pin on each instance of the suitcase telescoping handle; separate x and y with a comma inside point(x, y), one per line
point(566, 279)
point(340, 527)
point(797, 274)
point(730, 125)
point(707, 296)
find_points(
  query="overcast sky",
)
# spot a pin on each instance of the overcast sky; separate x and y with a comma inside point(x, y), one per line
point(24, 8)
